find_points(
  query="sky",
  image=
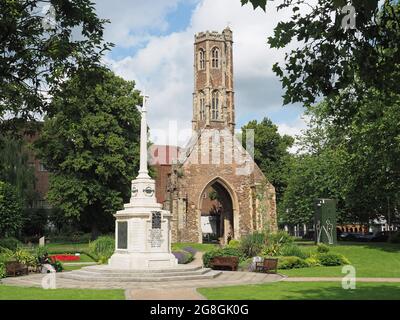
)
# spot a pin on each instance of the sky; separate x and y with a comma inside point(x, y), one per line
point(154, 47)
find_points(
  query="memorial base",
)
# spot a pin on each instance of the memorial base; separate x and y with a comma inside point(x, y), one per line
point(142, 261)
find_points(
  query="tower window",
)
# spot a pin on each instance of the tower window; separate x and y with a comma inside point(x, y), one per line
point(202, 60)
point(215, 57)
point(202, 107)
point(215, 106)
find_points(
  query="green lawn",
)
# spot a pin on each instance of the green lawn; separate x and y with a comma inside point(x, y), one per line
point(198, 246)
point(304, 291)
point(67, 247)
point(369, 259)
point(23, 293)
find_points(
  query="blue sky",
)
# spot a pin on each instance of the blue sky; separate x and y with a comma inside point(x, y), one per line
point(154, 46)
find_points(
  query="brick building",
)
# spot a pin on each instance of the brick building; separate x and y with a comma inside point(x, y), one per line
point(214, 161)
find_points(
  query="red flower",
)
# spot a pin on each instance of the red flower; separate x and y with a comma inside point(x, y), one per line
point(64, 257)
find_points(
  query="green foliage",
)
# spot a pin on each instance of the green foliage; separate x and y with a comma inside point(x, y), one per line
point(292, 250)
point(90, 143)
point(330, 59)
point(272, 249)
point(103, 248)
point(331, 259)
point(11, 218)
point(222, 252)
point(234, 244)
point(312, 261)
point(322, 248)
point(15, 169)
point(291, 263)
point(10, 243)
point(57, 265)
point(280, 237)
point(25, 257)
point(2, 270)
point(36, 59)
point(271, 152)
point(252, 244)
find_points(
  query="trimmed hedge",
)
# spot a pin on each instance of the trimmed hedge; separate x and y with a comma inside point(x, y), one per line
point(291, 263)
point(224, 252)
point(331, 259)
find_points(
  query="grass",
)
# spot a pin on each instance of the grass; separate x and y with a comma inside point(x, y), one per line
point(304, 291)
point(369, 259)
point(198, 246)
point(67, 247)
point(23, 293)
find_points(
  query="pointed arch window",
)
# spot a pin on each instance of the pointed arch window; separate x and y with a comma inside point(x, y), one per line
point(202, 103)
point(202, 59)
point(215, 106)
point(215, 57)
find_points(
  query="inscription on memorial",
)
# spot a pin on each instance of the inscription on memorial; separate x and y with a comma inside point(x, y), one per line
point(122, 235)
point(155, 239)
point(156, 220)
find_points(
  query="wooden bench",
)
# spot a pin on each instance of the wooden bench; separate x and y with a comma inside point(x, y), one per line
point(225, 262)
point(14, 268)
point(269, 265)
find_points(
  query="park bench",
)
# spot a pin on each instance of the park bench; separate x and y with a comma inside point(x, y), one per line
point(14, 268)
point(225, 262)
point(268, 265)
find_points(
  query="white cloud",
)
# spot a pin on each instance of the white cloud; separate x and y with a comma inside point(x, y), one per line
point(164, 66)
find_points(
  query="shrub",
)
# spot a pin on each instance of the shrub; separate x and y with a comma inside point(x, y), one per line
point(2, 270)
point(395, 238)
point(252, 244)
point(11, 212)
point(183, 256)
point(332, 259)
point(10, 243)
point(312, 261)
point(57, 265)
point(280, 236)
point(273, 249)
point(224, 252)
point(102, 248)
point(291, 263)
point(292, 250)
point(25, 257)
point(234, 244)
point(322, 248)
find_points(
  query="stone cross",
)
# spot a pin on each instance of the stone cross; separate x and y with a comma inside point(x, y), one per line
point(143, 172)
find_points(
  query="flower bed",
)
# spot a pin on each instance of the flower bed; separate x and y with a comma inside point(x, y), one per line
point(64, 257)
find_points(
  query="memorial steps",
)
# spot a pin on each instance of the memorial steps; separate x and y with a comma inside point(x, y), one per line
point(106, 274)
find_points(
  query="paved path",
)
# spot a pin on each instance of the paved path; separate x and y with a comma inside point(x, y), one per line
point(224, 279)
point(335, 279)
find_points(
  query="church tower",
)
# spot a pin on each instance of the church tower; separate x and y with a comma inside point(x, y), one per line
point(213, 97)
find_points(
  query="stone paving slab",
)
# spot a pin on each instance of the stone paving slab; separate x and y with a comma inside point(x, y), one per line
point(164, 294)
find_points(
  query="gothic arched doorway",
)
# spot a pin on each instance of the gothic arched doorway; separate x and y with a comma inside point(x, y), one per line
point(216, 206)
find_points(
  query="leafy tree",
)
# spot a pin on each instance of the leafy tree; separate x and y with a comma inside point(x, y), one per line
point(11, 218)
point(41, 44)
point(271, 152)
point(15, 169)
point(90, 144)
point(330, 59)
